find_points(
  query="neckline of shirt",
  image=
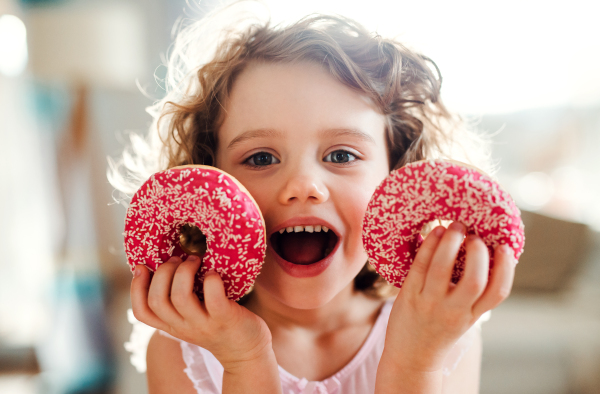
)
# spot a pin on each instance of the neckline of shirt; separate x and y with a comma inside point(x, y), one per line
point(380, 324)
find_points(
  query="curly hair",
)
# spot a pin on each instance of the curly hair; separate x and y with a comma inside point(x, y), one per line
point(208, 56)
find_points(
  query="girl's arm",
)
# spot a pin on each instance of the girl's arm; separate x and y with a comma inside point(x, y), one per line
point(239, 339)
point(465, 378)
point(430, 313)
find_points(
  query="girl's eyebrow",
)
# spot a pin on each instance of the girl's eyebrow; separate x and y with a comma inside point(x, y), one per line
point(272, 133)
point(258, 133)
point(331, 133)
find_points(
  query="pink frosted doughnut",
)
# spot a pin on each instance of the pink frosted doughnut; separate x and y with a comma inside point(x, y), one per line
point(211, 200)
point(421, 192)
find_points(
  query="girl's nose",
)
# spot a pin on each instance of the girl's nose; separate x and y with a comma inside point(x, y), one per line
point(303, 188)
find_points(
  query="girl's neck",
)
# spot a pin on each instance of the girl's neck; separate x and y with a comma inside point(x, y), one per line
point(347, 308)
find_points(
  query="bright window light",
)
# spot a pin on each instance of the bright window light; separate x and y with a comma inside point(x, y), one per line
point(534, 190)
point(13, 46)
point(494, 56)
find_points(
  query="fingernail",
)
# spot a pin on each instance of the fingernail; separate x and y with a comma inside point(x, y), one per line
point(458, 226)
point(136, 271)
point(193, 259)
point(438, 231)
point(472, 237)
point(505, 249)
point(209, 273)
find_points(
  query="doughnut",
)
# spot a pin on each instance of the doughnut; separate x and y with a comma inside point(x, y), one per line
point(197, 210)
point(424, 191)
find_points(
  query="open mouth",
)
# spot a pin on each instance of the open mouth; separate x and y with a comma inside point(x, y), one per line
point(303, 246)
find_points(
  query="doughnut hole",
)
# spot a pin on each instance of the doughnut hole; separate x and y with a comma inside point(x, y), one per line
point(192, 241)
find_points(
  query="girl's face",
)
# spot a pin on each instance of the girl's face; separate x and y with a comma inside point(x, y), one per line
point(311, 151)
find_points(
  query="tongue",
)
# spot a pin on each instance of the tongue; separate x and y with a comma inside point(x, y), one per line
point(302, 248)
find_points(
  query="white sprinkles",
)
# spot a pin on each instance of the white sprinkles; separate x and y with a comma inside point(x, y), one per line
point(420, 192)
point(235, 233)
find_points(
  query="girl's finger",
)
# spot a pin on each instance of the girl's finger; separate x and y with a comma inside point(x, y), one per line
point(159, 295)
point(216, 302)
point(500, 283)
point(139, 299)
point(184, 299)
point(438, 277)
point(418, 270)
point(475, 277)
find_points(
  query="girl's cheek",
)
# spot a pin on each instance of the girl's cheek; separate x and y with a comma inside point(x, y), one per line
point(261, 193)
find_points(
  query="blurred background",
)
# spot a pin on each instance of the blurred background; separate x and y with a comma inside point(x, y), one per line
point(71, 75)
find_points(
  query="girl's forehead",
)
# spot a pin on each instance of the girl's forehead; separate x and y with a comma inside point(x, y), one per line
point(295, 97)
point(299, 76)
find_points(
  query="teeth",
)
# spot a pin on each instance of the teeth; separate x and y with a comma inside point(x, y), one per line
point(309, 229)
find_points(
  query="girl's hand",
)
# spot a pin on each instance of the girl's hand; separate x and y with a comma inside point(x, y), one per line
point(235, 336)
point(430, 313)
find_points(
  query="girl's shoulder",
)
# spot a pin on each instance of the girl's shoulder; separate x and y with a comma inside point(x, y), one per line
point(171, 364)
point(165, 366)
point(196, 366)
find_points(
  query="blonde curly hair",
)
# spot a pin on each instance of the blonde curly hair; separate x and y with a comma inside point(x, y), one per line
point(209, 54)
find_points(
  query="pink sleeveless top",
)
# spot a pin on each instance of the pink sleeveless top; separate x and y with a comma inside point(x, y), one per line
point(357, 377)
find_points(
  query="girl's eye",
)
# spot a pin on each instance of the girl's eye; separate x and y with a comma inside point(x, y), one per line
point(261, 159)
point(340, 156)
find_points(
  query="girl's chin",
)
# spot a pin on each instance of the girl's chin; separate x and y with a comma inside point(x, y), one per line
point(310, 292)
point(302, 294)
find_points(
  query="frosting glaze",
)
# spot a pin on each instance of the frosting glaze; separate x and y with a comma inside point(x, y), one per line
point(423, 191)
point(211, 200)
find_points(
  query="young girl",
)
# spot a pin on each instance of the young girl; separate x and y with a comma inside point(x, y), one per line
point(310, 118)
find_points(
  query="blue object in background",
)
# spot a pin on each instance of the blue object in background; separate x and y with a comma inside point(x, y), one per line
point(76, 356)
point(40, 2)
